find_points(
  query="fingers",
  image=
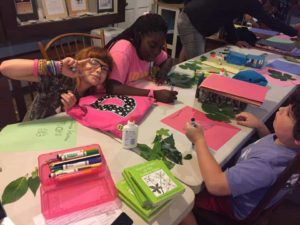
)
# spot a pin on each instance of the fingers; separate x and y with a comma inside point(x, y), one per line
point(68, 99)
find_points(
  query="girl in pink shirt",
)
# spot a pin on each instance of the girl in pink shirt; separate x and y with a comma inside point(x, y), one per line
point(134, 51)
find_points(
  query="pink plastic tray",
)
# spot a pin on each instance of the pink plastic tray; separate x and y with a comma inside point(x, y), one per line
point(63, 196)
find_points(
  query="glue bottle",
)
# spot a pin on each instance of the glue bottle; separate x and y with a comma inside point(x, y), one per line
point(129, 135)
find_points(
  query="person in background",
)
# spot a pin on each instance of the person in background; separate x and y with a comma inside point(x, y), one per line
point(202, 18)
point(238, 190)
point(60, 83)
point(134, 51)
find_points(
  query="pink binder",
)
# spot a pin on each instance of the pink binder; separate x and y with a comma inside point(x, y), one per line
point(61, 196)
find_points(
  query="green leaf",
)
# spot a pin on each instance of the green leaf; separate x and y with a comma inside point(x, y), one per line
point(225, 109)
point(172, 154)
point(33, 184)
point(228, 111)
point(162, 132)
point(203, 58)
point(169, 140)
point(218, 117)
point(144, 148)
point(188, 157)
point(148, 155)
point(157, 150)
point(35, 173)
point(15, 190)
point(183, 67)
point(157, 138)
point(169, 164)
point(209, 107)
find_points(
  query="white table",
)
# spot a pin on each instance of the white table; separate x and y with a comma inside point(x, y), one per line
point(14, 164)
point(17, 164)
point(189, 172)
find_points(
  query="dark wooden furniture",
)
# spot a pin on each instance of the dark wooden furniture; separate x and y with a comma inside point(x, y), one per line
point(69, 44)
point(260, 215)
point(31, 32)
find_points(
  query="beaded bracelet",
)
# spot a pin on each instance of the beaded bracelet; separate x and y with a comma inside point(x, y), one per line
point(44, 67)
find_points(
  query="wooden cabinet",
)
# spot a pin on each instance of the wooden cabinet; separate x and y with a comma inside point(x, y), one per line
point(21, 33)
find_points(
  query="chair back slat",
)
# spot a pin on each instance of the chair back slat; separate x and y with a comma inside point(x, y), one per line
point(68, 44)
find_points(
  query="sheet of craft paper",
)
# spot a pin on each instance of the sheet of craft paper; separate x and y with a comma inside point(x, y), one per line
point(279, 82)
point(228, 67)
point(281, 38)
point(285, 66)
point(44, 134)
point(263, 31)
point(216, 133)
point(281, 46)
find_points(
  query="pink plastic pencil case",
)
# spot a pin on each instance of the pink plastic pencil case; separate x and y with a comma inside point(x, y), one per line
point(80, 191)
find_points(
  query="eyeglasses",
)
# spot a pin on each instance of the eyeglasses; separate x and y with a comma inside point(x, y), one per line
point(96, 63)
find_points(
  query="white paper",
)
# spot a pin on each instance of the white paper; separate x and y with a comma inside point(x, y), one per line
point(103, 214)
point(103, 219)
point(54, 7)
point(78, 5)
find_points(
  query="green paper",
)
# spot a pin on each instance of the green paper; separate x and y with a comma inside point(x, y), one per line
point(280, 40)
point(45, 134)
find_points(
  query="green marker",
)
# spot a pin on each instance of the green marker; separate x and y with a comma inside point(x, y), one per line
point(76, 154)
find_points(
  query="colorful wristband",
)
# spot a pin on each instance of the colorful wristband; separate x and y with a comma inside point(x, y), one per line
point(35, 68)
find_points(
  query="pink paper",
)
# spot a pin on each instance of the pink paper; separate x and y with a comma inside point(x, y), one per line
point(216, 133)
point(278, 82)
point(283, 36)
point(235, 87)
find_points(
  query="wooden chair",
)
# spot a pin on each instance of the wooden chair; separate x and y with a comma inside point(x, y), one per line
point(69, 44)
point(260, 215)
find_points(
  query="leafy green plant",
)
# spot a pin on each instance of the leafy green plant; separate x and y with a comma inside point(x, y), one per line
point(280, 76)
point(192, 65)
point(292, 59)
point(223, 112)
point(163, 149)
point(18, 188)
point(181, 80)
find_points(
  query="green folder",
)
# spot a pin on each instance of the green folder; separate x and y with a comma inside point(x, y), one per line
point(152, 183)
point(127, 196)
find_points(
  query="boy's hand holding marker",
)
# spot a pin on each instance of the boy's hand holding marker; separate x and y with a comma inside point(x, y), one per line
point(194, 131)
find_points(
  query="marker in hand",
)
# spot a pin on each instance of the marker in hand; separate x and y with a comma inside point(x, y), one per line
point(194, 125)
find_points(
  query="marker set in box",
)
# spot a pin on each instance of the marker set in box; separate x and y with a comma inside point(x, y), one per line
point(74, 179)
point(69, 164)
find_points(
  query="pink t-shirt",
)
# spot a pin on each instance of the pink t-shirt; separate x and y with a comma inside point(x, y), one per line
point(127, 65)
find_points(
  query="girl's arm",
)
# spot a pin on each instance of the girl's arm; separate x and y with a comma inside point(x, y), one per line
point(18, 69)
point(29, 70)
point(115, 87)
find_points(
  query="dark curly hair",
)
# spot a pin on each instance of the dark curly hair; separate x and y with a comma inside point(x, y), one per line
point(144, 25)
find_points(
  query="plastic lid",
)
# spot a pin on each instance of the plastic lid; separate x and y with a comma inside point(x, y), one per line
point(131, 120)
